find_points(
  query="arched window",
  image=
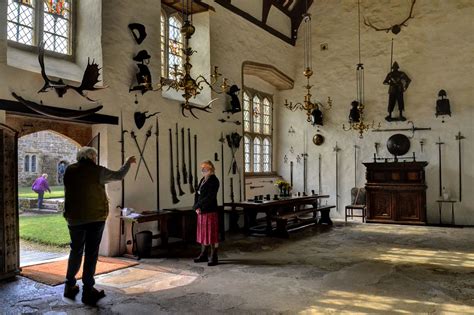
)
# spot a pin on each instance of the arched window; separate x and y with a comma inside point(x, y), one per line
point(257, 120)
point(30, 22)
point(267, 149)
point(257, 155)
point(247, 153)
point(164, 68)
point(26, 163)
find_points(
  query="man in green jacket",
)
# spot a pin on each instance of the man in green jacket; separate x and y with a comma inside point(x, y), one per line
point(86, 208)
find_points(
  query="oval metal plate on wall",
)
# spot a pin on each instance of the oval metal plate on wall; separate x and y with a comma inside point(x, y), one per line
point(318, 139)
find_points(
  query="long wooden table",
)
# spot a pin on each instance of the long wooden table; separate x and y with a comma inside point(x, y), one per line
point(272, 208)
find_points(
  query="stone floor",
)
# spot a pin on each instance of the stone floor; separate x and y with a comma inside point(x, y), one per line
point(353, 268)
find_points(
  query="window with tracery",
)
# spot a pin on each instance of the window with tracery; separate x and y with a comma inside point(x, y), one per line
point(257, 119)
point(172, 45)
point(31, 22)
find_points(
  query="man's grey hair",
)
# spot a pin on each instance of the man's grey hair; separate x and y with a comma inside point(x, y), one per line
point(86, 153)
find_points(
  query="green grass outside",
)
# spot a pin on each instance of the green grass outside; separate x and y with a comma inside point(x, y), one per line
point(56, 192)
point(48, 229)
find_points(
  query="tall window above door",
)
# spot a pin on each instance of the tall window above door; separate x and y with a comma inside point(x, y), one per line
point(258, 131)
point(30, 22)
point(172, 44)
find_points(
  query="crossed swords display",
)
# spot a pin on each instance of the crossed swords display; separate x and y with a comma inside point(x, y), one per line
point(141, 151)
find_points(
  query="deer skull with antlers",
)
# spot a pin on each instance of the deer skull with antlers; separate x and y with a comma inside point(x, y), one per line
point(396, 28)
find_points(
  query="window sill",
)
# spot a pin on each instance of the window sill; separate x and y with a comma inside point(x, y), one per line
point(262, 175)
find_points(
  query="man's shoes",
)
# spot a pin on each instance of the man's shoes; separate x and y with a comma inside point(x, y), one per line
point(91, 296)
point(70, 291)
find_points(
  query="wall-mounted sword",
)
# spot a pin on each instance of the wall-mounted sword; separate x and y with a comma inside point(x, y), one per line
point(337, 149)
point(190, 180)
point(412, 129)
point(157, 138)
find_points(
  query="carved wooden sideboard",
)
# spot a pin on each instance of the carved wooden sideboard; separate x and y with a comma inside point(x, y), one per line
point(396, 192)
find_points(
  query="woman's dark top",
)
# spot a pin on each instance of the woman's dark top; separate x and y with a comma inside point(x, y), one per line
point(206, 195)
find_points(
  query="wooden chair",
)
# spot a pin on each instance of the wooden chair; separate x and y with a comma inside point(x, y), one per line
point(357, 203)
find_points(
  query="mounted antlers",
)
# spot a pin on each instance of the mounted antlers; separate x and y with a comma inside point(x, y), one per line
point(190, 108)
point(394, 28)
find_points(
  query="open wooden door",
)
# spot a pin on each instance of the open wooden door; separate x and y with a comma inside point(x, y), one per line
point(9, 226)
point(95, 143)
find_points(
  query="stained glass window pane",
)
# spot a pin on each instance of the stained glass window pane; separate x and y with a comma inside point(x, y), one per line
point(257, 155)
point(27, 163)
point(163, 44)
point(247, 153)
point(246, 112)
point(20, 22)
point(57, 26)
point(257, 114)
point(175, 46)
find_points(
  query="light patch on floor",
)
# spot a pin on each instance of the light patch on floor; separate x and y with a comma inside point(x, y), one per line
point(136, 280)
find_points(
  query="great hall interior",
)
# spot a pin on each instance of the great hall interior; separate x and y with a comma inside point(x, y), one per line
point(340, 131)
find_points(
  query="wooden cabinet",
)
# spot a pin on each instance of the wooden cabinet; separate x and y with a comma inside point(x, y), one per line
point(396, 192)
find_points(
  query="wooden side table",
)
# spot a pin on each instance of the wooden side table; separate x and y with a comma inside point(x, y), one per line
point(440, 207)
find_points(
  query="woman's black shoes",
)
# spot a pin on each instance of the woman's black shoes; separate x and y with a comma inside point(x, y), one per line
point(70, 291)
point(213, 261)
point(201, 258)
point(91, 296)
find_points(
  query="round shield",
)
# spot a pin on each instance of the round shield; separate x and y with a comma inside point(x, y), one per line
point(318, 139)
point(398, 144)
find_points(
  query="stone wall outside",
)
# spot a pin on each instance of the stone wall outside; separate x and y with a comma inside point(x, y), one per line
point(50, 148)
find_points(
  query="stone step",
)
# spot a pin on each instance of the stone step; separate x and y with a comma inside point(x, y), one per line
point(50, 206)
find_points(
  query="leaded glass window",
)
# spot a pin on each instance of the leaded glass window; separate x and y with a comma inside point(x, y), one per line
point(257, 155)
point(26, 163)
point(21, 22)
point(163, 44)
point(175, 46)
point(267, 162)
point(267, 118)
point(246, 112)
point(256, 113)
point(33, 163)
point(247, 153)
point(57, 26)
point(257, 120)
point(30, 22)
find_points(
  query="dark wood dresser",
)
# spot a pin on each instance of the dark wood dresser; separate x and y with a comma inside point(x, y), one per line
point(396, 192)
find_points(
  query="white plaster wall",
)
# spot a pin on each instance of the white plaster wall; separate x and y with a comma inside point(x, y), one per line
point(435, 50)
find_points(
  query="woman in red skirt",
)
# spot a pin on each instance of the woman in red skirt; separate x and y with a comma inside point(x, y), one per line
point(205, 205)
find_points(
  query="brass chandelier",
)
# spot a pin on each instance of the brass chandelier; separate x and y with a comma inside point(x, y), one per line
point(356, 122)
point(312, 108)
point(191, 87)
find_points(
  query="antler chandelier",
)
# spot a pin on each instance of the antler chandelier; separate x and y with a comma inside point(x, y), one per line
point(312, 108)
point(184, 82)
point(356, 116)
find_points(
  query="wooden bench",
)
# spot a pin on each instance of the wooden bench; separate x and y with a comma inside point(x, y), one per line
point(283, 219)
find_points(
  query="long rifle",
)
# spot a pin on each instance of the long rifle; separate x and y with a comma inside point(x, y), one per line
point(355, 164)
point(195, 163)
point(337, 149)
point(172, 184)
point(183, 163)
point(190, 180)
point(291, 174)
point(122, 152)
point(222, 140)
point(178, 175)
point(439, 143)
point(157, 135)
point(459, 137)
point(320, 190)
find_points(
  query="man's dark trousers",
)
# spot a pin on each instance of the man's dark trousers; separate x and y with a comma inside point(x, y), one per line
point(86, 236)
